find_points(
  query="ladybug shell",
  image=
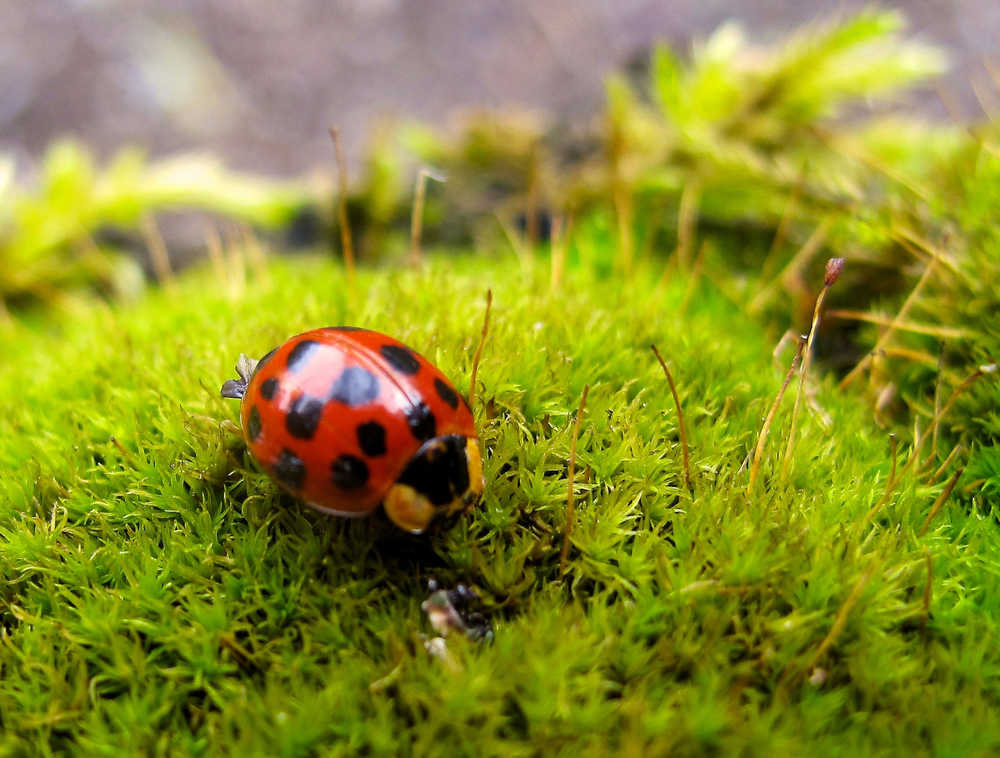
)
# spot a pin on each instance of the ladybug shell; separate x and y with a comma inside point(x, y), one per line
point(336, 414)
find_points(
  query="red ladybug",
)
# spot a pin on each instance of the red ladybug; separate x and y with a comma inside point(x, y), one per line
point(347, 418)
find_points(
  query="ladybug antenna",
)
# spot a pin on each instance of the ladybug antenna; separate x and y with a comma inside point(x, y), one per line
point(237, 388)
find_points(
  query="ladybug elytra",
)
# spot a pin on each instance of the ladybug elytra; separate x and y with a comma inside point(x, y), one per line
point(347, 418)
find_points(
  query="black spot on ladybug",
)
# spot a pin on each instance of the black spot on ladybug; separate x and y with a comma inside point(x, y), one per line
point(253, 424)
point(445, 392)
point(349, 473)
point(262, 361)
point(290, 469)
point(371, 438)
point(440, 470)
point(356, 386)
point(268, 387)
point(400, 359)
point(303, 417)
point(300, 354)
point(347, 329)
point(421, 421)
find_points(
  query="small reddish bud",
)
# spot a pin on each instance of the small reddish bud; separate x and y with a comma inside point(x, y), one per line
point(833, 268)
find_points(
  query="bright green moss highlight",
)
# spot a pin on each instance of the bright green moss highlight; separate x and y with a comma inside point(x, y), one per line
point(165, 598)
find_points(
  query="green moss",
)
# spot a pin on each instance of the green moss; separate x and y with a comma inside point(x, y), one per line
point(163, 596)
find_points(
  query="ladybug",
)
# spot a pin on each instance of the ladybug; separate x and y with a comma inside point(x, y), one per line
point(346, 418)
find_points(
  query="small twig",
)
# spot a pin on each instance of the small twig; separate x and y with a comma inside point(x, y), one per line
point(680, 418)
point(765, 429)
point(939, 503)
point(479, 349)
point(833, 268)
point(158, 253)
point(417, 214)
point(345, 225)
point(126, 454)
point(570, 504)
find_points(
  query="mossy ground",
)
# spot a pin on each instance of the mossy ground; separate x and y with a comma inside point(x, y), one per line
point(159, 595)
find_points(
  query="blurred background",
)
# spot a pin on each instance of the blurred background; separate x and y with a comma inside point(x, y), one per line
point(259, 83)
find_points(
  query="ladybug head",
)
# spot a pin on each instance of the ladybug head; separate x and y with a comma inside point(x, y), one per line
point(443, 478)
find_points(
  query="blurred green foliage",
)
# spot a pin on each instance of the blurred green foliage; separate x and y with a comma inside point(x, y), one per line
point(47, 232)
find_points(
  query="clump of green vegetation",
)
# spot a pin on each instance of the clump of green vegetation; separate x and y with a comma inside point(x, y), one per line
point(159, 594)
point(49, 235)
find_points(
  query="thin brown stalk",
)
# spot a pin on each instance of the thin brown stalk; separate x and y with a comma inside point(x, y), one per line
point(833, 268)
point(479, 350)
point(945, 332)
point(255, 252)
point(531, 223)
point(680, 418)
point(158, 253)
point(887, 335)
point(417, 214)
point(766, 428)
point(558, 253)
point(346, 241)
point(699, 263)
point(942, 498)
point(782, 231)
point(213, 242)
point(794, 267)
point(947, 462)
point(841, 619)
point(570, 503)
point(687, 219)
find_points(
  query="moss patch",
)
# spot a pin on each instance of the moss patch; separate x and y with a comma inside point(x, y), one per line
point(158, 594)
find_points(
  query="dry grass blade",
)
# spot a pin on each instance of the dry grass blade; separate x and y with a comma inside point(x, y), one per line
point(927, 594)
point(158, 253)
point(417, 213)
point(345, 225)
point(841, 619)
point(570, 503)
point(680, 418)
point(833, 268)
point(945, 332)
point(766, 428)
point(479, 349)
point(939, 503)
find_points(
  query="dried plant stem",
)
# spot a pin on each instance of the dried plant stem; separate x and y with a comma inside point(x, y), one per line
point(479, 350)
point(680, 418)
point(891, 330)
point(945, 332)
point(699, 264)
point(942, 498)
point(417, 214)
point(833, 269)
point(791, 271)
point(346, 242)
point(947, 462)
point(687, 219)
point(766, 428)
point(158, 253)
point(558, 253)
point(215, 254)
point(570, 503)
point(841, 619)
point(890, 484)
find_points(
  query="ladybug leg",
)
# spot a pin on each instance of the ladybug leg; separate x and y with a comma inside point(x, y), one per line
point(237, 388)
